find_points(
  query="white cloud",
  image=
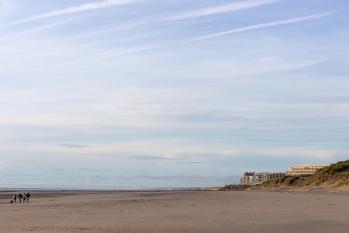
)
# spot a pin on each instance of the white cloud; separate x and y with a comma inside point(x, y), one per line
point(266, 25)
point(231, 7)
point(254, 66)
point(319, 153)
point(72, 10)
point(48, 26)
point(117, 53)
point(38, 29)
point(171, 150)
point(94, 59)
point(181, 108)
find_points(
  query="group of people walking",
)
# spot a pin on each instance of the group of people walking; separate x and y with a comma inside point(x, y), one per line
point(21, 198)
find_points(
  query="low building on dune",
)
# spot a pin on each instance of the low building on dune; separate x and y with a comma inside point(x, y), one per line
point(253, 178)
point(265, 176)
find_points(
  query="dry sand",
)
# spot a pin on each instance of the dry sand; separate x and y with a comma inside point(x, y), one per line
point(177, 211)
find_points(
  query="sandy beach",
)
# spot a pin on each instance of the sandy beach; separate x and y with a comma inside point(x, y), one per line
point(176, 211)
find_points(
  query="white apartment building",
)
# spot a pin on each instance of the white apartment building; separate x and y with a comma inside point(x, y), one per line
point(253, 178)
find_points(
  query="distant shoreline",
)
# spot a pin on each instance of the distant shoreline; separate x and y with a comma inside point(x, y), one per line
point(2, 190)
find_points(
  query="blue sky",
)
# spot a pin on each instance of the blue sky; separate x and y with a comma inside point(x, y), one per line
point(177, 93)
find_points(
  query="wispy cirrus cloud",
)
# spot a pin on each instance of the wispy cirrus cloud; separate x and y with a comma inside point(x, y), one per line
point(38, 29)
point(73, 146)
point(231, 7)
point(126, 51)
point(152, 158)
point(267, 25)
point(106, 56)
point(72, 10)
point(172, 151)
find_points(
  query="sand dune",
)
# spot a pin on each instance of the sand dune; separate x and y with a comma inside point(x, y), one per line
point(177, 211)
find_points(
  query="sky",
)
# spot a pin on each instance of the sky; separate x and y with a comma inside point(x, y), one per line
point(133, 94)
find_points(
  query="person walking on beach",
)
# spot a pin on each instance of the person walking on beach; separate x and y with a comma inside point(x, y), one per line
point(20, 197)
point(15, 198)
point(28, 197)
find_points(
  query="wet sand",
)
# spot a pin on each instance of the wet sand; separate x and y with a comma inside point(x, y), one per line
point(177, 211)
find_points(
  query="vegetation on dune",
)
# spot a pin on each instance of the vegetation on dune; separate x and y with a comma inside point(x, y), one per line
point(234, 187)
point(336, 174)
point(332, 177)
point(287, 181)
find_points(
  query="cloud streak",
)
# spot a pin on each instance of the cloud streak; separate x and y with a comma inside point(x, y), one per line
point(72, 10)
point(73, 146)
point(152, 158)
point(107, 55)
point(266, 25)
point(231, 7)
point(123, 52)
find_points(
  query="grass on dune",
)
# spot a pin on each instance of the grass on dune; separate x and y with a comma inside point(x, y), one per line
point(333, 176)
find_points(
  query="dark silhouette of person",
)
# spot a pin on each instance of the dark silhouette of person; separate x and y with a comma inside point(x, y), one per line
point(28, 197)
point(20, 197)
